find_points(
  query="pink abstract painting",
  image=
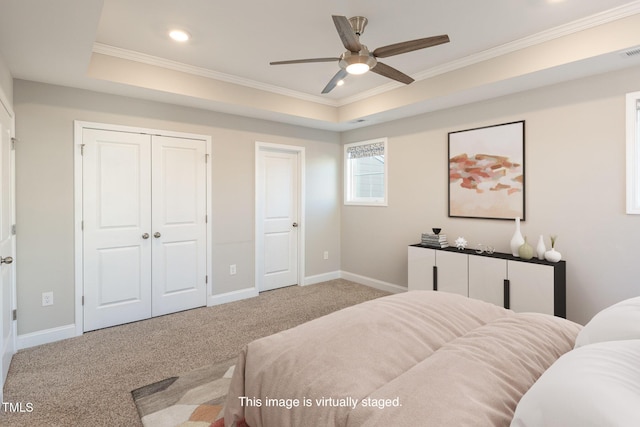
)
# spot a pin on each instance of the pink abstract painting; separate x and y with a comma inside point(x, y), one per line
point(486, 172)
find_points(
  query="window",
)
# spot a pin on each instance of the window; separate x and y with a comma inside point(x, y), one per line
point(365, 173)
point(633, 153)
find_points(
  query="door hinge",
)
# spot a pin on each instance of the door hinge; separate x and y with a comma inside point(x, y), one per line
point(206, 279)
point(13, 143)
point(206, 219)
point(82, 149)
point(82, 299)
point(206, 158)
point(82, 225)
point(13, 229)
point(15, 314)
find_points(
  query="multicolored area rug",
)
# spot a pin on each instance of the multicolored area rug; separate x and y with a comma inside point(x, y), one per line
point(194, 399)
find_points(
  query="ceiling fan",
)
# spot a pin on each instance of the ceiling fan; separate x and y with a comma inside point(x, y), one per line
point(358, 59)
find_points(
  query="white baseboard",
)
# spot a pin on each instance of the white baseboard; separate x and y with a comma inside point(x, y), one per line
point(374, 283)
point(318, 278)
point(69, 331)
point(46, 336)
point(231, 296)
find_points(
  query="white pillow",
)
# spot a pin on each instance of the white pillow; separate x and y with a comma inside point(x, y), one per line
point(620, 321)
point(593, 386)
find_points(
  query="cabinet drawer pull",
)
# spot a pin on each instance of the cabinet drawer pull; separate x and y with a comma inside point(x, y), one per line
point(507, 300)
point(435, 278)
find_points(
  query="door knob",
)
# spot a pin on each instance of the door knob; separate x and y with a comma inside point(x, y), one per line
point(157, 234)
point(295, 224)
point(6, 260)
point(145, 236)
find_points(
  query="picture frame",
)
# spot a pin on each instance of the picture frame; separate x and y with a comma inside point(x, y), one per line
point(487, 172)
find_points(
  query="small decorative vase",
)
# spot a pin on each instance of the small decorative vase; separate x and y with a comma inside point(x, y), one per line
point(553, 255)
point(541, 248)
point(517, 240)
point(525, 250)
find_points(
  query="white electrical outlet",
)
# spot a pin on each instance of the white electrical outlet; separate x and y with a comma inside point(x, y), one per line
point(326, 254)
point(232, 269)
point(47, 298)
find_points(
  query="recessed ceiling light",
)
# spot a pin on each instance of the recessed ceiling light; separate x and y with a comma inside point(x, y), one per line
point(179, 35)
point(340, 82)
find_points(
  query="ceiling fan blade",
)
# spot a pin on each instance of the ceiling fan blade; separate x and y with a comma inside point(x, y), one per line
point(392, 73)
point(304, 61)
point(334, 81)
point(346, 33)
point(409, 46)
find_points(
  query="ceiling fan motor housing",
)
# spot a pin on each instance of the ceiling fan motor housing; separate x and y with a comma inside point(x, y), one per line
point(363, 57)
point(358, 23)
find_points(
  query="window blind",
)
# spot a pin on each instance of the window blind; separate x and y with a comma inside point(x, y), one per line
point(366, 150)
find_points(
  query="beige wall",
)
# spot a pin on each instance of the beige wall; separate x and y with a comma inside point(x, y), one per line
point(575, 187)
point(6, 83)
point(44, 164)
point(575, 153)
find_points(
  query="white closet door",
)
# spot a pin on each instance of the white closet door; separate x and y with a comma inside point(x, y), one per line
point(179, 227)
point(117, 224)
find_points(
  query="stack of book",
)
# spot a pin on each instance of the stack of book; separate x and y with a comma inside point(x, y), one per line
point(434, 240)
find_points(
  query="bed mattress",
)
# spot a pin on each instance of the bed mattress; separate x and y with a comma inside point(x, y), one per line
point(417, 358)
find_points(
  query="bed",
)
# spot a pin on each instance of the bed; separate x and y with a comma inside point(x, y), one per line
point(418, 358)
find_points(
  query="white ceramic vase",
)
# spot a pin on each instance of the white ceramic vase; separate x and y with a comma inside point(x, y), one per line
point(541, 248)
point(517, 240)
point(553, 255)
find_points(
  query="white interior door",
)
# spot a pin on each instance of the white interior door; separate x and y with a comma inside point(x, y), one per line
point(117, 227)
point(277, 200)
point(7, 244)
point(179, 224)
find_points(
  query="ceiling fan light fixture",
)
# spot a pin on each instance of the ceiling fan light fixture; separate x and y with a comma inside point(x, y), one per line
point(357, 59)
point(357, 68)
point(358, 63)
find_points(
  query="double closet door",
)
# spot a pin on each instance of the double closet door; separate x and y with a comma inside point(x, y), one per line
point(144, 226)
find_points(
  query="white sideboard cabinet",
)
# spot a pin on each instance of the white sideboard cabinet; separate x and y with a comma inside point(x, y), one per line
point(498, 278)
point(450, 277)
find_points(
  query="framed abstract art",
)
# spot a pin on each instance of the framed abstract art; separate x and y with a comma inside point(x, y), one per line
point(486, 172)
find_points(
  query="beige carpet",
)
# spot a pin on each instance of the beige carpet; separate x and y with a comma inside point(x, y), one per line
point(87, 380)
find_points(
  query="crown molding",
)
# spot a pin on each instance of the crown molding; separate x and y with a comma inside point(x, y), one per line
point(144, 58)
point(535, 39)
